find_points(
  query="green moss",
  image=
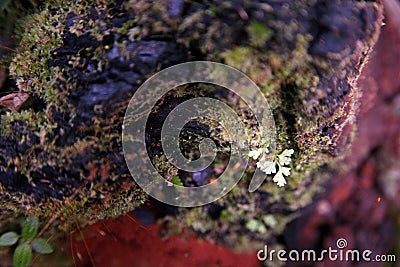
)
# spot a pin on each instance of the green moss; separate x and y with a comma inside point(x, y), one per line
point(164, 167)
point(259, 33)
point(30, 64)
point(40, 133)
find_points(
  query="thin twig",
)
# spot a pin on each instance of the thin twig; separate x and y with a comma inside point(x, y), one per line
point(86, 245)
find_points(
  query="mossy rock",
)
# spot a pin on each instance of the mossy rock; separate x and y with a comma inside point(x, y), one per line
point(81, 64)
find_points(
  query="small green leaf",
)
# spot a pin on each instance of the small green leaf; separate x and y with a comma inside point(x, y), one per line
point(22, 255)
point(256, 226)
point(176, 180)
point(252, 225)
point(9, 239)
point(270, 221)
point(41, 246)
point(30, 228)
point(262, 229)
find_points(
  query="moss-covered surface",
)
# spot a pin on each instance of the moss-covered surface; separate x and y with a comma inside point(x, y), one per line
point(83, 63)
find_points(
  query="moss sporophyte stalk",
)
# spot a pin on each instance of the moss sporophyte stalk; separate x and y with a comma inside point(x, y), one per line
point(81, 63)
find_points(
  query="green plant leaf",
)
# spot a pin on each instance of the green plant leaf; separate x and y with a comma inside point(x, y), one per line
point(30, 228)
point(270, 220)
point(252, 225)
point(262, 229)
point(9, 239)
point(176, 180)
point(22, 255)
point(256, 226)
point(41, 246)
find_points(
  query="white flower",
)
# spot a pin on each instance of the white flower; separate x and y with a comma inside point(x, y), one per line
point(285, 171)
point(279, 179)
point(285, 157)
point(255, 154)
point(268, 167)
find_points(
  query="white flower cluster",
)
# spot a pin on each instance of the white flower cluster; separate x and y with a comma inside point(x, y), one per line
point(269, 165)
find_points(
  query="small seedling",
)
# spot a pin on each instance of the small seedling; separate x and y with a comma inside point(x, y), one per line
point(28, 242)
point(260, 225)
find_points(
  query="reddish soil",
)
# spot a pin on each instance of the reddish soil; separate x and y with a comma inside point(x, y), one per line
point(126, 242)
